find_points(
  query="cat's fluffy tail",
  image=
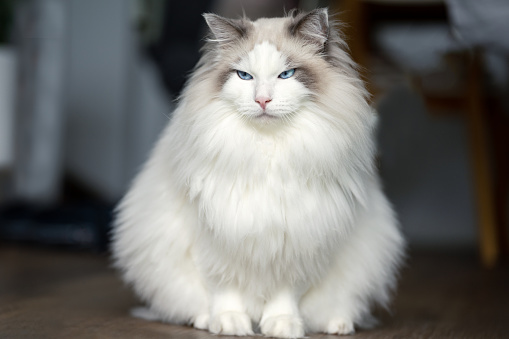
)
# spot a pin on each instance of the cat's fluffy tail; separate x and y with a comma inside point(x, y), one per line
point(144, 313)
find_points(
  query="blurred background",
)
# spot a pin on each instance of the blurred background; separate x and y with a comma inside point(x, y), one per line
point(87, 86)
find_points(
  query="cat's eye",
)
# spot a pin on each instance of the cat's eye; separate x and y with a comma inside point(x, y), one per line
point(287, 74)
point(244, 75)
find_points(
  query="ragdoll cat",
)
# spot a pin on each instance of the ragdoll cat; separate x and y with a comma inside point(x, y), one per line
point(260, 203)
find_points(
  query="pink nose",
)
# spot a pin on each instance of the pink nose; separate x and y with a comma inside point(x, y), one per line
point(262, 101)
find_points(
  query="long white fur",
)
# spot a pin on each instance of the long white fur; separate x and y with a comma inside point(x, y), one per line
point(280, 221)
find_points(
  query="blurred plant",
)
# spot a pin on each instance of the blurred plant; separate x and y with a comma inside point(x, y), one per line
point(6, 20)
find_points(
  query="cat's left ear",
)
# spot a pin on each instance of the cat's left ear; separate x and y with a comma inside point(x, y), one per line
point(225, 30)
point(313, 27)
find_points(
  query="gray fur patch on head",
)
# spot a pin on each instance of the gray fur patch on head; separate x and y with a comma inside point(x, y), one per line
point(306, 77)
point(304, 72)
point(224, 75)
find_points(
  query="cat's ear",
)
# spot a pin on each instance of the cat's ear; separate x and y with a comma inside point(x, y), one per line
point(313, 27)
point(225, 30)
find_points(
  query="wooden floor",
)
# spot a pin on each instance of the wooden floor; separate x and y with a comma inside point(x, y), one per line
point(56, 294)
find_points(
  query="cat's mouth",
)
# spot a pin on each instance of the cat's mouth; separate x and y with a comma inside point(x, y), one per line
point(265, 115)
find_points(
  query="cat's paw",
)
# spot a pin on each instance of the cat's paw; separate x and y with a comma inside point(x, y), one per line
point(231, 323)
point(201, 322)
point(282, 326)
point(341, 326)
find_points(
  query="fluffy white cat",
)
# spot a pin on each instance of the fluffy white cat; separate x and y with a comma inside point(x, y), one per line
point(260, 204)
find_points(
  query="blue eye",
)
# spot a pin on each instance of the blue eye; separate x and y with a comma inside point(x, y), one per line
point(244, 75)
point(287, 74)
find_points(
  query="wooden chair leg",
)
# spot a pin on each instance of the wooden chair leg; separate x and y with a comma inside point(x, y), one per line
point(499, 128)
point(481, 164)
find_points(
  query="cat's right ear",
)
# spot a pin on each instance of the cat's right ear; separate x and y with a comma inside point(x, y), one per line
point(313, 26)
point(225, 30)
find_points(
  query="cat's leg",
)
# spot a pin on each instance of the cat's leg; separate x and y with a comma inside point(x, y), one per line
point(330, 310)
point(228, 313)
point(363, 273)
point(281, 318)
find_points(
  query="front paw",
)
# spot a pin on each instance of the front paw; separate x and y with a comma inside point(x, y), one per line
point(201, 322)
point(231, 323)
point(282, 326)
point(340, 326)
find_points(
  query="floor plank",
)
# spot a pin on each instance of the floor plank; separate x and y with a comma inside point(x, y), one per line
point(57, 294)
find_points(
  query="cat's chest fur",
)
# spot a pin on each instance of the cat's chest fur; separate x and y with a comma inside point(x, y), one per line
point(264, 215)
point(260, 190)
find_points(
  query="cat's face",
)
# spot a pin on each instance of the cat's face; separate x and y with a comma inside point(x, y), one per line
point(268, 69)
point(263, 85)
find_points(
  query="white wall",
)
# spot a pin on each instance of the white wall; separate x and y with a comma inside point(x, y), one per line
point(111, 124)
point(96, 99)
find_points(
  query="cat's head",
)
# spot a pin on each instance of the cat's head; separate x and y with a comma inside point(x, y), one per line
point(267, 70)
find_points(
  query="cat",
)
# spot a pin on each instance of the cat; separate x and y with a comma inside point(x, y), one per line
point(260, 203)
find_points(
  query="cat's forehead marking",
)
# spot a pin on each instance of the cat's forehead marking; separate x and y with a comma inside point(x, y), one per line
point(264, 59)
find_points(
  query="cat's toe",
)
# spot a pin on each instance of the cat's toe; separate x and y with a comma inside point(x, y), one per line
point(231, 323)
point(201, 322)
point(340, 326)
point(283, 326)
